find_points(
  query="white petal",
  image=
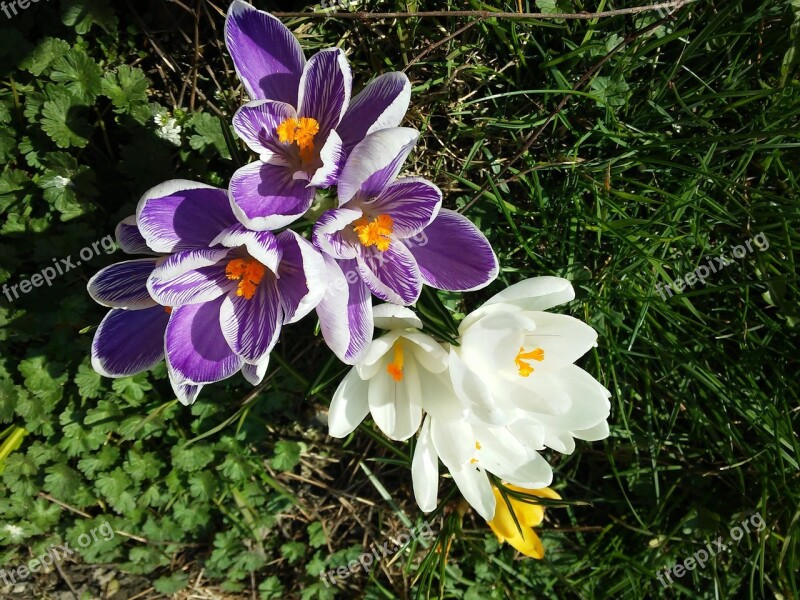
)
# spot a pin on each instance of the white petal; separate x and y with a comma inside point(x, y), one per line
point(349, 405)
point(593, 434)
point(430, 353)
point(425, 470)
point(564, 339)
point(439, 398)
point(473, 483)
point(472, 390)
point(396, 406)
point(392, 316)
point(254, 373)
point(538, 293)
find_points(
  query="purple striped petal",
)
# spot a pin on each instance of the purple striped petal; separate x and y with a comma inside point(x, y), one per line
point(261, 245)
point(265, 196)
point(196, 350)
point(375, 162)
point(393, 275)
point(124, 284)
point(191, 277)
point(412, 202)
point(381, 104)
point(333, 158)
point(254, 372)
point(325, 89)
point(345, 312)
point(251, 327)
point(256, 123)
point(129, 238)
point(267, 57)
point(186, 393)
point(128, 342)
point(182, 215)
point(302, 276)
point(455, 255)
point(328, 232)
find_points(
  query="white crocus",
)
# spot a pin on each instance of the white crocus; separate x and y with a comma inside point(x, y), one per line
point(515, 361)
point(402, 373)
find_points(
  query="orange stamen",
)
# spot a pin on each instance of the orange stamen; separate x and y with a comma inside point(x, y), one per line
point(395, 368)
point(375, 232)
point(301, 132)
point(249, 272)
point(525, 369)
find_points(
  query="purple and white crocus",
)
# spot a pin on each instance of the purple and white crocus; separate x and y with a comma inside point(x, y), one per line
point(213, 302)
point(388, 237)
point(301, 121)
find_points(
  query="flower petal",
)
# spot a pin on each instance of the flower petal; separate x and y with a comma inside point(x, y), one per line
point(196, 350)
point(328, 232)
point(440, 400)
point(425, 470)
point(266, 196)
point(186, 393)
point(256, 123)
point(302, 276)
point(411, 202)
point(345, 312)
point(254, 372)
point(473, 483)
point(392, 316)
point(190, 277)
point(128, 342)
point(261, 245)
point(251, 327)
point(537, 293)
point(182, 215)
point(396, 406)
point(564, 339)
point(456, 256)
point(333, 157)
point(477, 396)
point(267, 57)
point(325, 88)
point(124, 284)
point(381, 104)
point(392, 275)
point(129, 238)
point(375, 162)
point(349, 405)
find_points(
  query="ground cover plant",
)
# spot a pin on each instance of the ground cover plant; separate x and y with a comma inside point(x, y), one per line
point(648, 158)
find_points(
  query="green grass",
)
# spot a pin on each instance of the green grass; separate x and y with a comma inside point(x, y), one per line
point(679, 142)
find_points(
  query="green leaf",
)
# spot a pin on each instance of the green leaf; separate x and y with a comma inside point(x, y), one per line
point(79, 73)
point(287, 455)
point(88, 381)
point(126, 88)
point(62, 481)
point(316, 535)
point(132, 388)
point(82, 14)
point(117, 488)
point(208, 134)
point(62, 119)
point(192, 458)
point(612, 90)
point(8, 143)
point(172, 584)
point(293, 551)
point(48, 50)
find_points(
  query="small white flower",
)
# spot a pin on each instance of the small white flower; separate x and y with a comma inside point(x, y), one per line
point(168, 128)
point(402, 373)
point(14, 533)
point(62, 182)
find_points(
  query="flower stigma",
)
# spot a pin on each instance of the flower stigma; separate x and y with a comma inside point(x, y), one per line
point(375, 232)
point(301, 132)
point(249, 272)
point(395, 368)
point(525, 369)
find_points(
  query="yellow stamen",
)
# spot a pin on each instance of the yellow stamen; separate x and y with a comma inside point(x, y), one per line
point(525, 369)
point(301, 132)
point(477, 445)
point(249, 272)
point(375, 232)
point(168, 310)
point(395, 368)
point(472, 461)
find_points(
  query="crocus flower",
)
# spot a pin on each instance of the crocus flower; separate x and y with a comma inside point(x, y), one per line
point(301, 121)
point(229, 298)
point(470, 450)
point(130, 339)
point(528, 515)
point(387, 237)
point(515, 360)
point(401, 374)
